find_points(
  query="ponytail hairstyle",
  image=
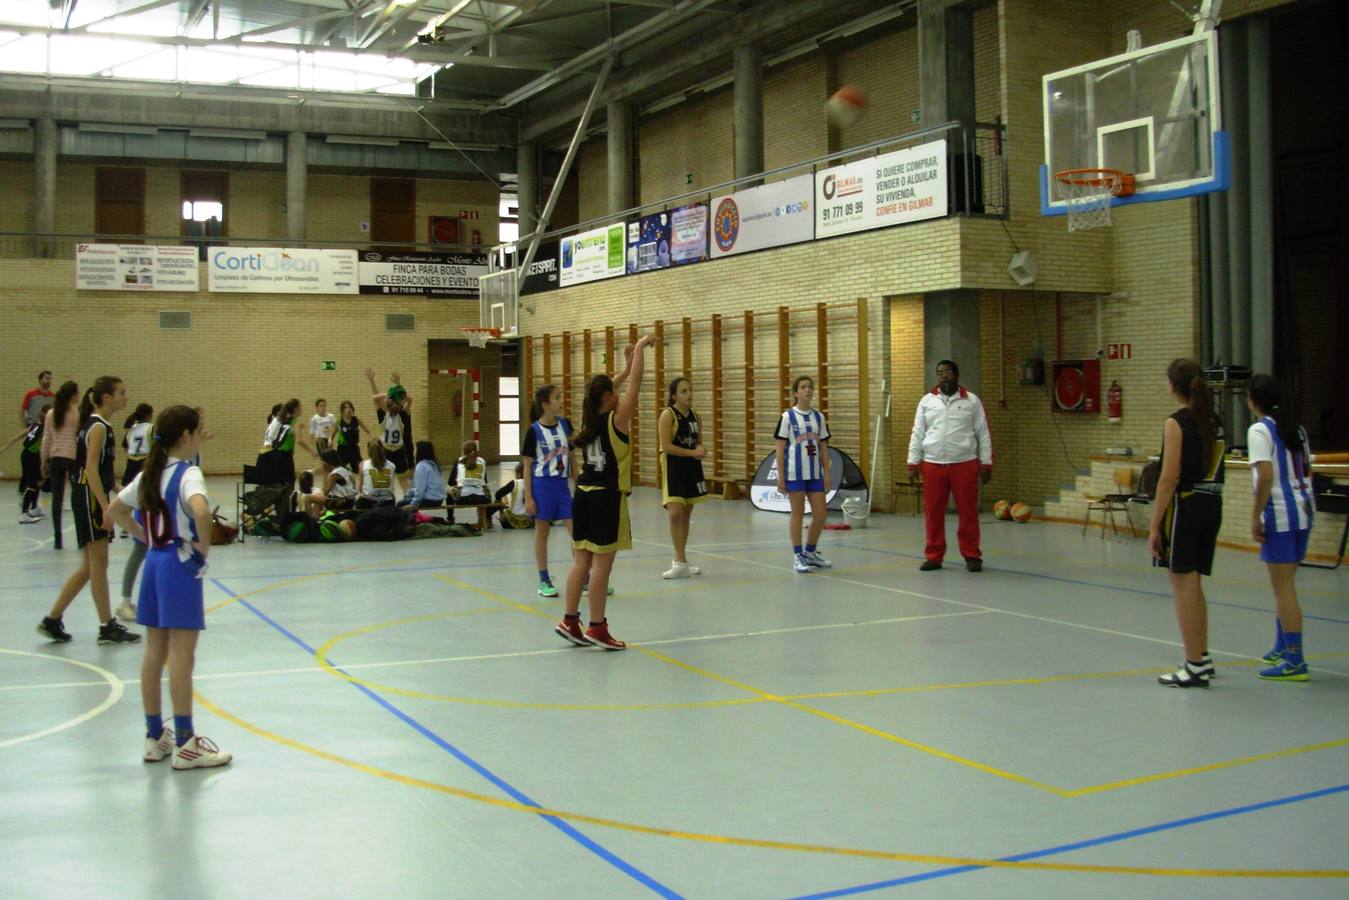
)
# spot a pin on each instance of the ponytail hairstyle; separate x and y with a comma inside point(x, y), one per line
point(144, 413)
point(377, 455)
point(276, 410)
point(1187, 380)
point(1267, 396)
point(542, 395)
point(288, 411)
point(592, 420)
point(172, 424)
point(93, 398)
point(61, 404)
point(674, 386)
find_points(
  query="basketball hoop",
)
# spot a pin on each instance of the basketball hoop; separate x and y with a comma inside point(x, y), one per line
point(1088, 193)
point(478, 337)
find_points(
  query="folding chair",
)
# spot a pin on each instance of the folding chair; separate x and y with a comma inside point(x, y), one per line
point(1108, 504)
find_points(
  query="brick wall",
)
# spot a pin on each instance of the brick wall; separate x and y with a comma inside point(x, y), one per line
point(244, 352)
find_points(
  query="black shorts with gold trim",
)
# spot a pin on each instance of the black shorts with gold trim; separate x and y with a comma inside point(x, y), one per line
point(599, 520)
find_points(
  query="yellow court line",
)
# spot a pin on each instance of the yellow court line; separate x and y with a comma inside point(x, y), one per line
point(728, 840)
point(760, 696)
point(322, 653)
point(849, 723)
point(775, 698)
point(1207, 767)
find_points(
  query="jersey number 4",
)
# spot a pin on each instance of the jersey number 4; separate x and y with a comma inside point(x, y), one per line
point(595, 456)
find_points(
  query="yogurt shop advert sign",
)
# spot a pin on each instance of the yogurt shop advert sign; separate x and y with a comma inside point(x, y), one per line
point(891, 189)
point(278, 270)
point(592, 255)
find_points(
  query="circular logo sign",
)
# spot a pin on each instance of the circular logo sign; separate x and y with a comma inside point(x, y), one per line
point(726, 224)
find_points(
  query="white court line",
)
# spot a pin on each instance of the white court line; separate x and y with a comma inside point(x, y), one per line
point(880, 587)
point(115, 690)
point(513, 655)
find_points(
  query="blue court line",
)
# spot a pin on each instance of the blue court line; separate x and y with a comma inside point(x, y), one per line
point(560, 824)
point(1090, 842)
point(1114, 587)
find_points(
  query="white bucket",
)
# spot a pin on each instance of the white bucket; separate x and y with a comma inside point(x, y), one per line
point(855, 512)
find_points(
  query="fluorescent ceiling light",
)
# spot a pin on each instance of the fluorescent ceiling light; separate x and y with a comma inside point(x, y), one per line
point(227, 133)
point(359, 139)
point(118, 129)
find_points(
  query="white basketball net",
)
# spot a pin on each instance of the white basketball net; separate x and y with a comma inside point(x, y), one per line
point(1088, 199)
point(478, 338)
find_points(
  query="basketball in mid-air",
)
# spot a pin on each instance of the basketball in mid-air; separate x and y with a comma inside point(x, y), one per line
point(846, 107)
point(1002, 509)
point(1020, 512)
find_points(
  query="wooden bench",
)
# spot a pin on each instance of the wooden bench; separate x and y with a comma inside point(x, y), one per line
point(484, 510)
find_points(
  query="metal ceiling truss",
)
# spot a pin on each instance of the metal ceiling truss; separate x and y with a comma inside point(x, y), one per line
point(691, 39)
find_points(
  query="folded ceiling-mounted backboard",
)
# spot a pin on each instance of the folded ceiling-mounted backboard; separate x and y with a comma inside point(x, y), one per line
point(1153, 113)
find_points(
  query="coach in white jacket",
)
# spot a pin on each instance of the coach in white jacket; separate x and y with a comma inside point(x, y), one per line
point(951, 446)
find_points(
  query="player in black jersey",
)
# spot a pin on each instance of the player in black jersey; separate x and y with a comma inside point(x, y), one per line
point(681, 470)
point(1187, 512)
point(347, 437)
point(600, 508)
point(95, 453)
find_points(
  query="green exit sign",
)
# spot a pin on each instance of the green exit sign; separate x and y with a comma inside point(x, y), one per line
point(330, 365)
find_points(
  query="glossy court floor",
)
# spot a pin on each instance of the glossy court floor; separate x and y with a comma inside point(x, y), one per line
point(404, 722)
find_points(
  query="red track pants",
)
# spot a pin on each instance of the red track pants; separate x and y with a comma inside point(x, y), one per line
point(940, 481)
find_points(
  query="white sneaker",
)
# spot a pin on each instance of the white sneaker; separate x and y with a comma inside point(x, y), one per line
point(677, 570)
point(801, 564)
point(126, 611)
point(199, 753)
point(818, 561)
point(27, 518)
point(158, 748)
point(36, 511)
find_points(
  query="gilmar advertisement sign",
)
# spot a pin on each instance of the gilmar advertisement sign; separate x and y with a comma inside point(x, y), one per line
point(277, 270)
point(891, 189)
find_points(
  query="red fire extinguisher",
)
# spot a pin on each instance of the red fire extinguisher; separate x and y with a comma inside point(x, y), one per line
point(1114, 402)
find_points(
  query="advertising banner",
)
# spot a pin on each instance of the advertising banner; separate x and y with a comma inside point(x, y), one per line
point(277, 270)
point(432, 274)
point(688, 227)
point(767, 216)
point(135, 267)
point(649, 243)
point(891, 189)
point(593, 255)
point(542, 274)
point(845, 481)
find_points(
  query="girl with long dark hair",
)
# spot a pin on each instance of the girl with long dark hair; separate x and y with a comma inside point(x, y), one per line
point(171, 494)
point(802, 459)
point(1281, 516)
point(600, 508)
point(96, 452)
point(277, 458)
point(546, 462)
point(681, 470)
point(1187, 513)
point(347, 437)
point(58, 449)
point(136, 441)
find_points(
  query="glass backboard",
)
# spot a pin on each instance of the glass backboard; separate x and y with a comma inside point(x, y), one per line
point(1153, 113)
